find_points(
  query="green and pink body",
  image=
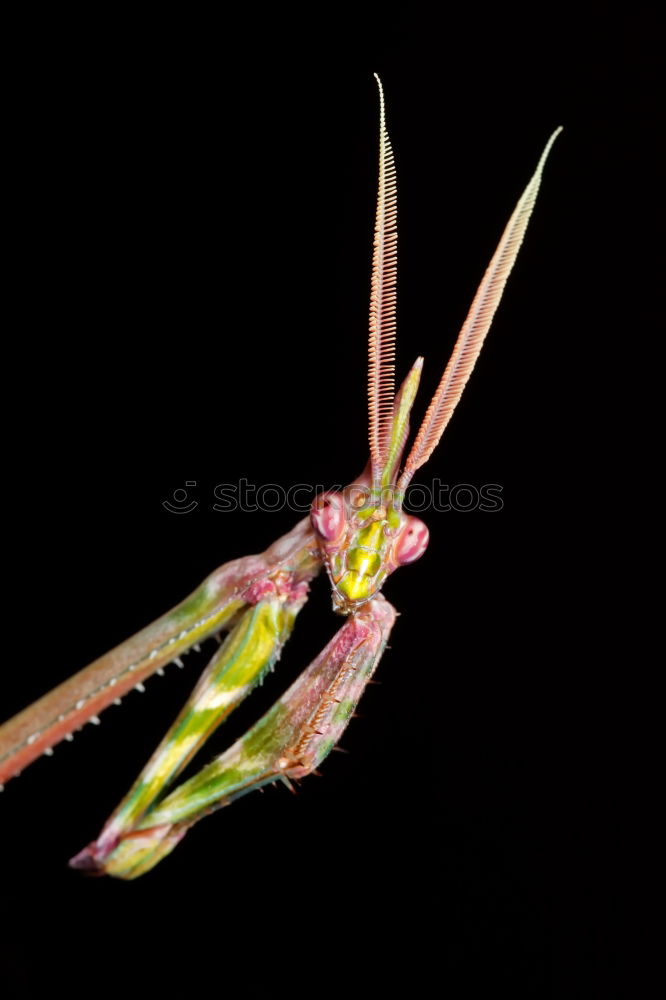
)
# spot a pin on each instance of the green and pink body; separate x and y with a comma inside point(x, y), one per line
point(360, 535)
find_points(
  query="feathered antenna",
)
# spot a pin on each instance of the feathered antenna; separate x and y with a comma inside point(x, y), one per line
point(476, 326)
point(381, 350)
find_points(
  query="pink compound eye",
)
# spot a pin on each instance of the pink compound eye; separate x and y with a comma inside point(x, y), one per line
point(412, 541)
point(328, 516)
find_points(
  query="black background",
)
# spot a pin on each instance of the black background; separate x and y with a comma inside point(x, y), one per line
point(195, 207)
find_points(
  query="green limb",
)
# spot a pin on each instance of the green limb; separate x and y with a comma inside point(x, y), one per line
point(290, 741)
point(248, 653)
point(212, 607)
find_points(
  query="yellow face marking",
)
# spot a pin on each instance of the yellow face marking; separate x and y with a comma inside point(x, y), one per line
point(363, 561)
point(354, 586)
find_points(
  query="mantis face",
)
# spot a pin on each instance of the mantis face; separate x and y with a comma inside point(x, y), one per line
point(362, 533)
point(362, 539)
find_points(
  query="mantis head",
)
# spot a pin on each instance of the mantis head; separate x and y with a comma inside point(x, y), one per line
point(363, 533)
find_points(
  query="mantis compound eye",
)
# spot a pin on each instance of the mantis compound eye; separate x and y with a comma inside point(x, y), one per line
point(412, 541)
point(328, 516)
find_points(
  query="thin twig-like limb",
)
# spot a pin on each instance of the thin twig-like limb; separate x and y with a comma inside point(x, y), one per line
point(290, 741)
point(212, 607)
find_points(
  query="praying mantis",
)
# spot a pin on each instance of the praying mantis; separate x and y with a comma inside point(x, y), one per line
point(359, 535)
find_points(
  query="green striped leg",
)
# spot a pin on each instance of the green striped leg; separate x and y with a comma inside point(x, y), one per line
point(290, 741)
point(242, 661)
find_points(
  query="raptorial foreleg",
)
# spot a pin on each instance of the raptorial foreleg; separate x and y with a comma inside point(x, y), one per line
point(289, 742)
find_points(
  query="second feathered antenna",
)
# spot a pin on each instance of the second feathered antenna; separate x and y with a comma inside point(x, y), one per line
point(388, 414)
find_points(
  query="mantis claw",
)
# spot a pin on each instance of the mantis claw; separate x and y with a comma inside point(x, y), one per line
point(287, 744)
point(212, 608)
